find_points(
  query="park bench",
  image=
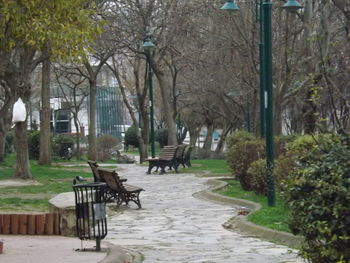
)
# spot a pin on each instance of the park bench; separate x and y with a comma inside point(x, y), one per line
point(166, 159)
point(93, 165)
point(118, 190)
point(179, 156)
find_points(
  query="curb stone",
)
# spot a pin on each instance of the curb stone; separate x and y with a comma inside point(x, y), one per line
point(239, 223)
point(118, 254)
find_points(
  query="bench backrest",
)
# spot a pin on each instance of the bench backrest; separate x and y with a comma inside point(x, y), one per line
point(111, 178)
point(168, 152)
point(180, 151)
point(93, 165)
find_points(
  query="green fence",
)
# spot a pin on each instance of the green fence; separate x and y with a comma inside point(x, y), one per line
point(109, 111)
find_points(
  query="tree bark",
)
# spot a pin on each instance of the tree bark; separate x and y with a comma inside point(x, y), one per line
point(22, 157)
point(209, 138)
point(166, 99)
point(5, 122)
point(2, 144)
point(194, 134)
point(309, 107)
point(92, 152)
point(221, 143)
point(45, 146)
point(77, 136)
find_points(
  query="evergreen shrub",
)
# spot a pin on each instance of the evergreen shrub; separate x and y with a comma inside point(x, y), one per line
point(34, 145)
point(241, 155)
point(257, 173)
point(318, 196)
point(131, 137)
point(60, 143)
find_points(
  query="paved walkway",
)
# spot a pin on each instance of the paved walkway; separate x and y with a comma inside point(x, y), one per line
point(175, 227)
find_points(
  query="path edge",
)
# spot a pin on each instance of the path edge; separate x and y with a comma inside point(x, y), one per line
point(119, 254)
point(240, 223)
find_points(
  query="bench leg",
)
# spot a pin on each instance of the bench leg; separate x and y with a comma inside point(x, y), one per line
point(119, 201)
point(137, 201)
point(134, 197)
point(162, 169)
point(150, 167)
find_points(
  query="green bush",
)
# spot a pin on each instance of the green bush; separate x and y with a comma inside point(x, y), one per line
point(284, 167)
point(281, 143)
point(238, 136)
point(257, 173)
point(34, 145)
point(60, 143)
point(161, 136)
point(131, 137)
point(318, 195)
point(241, 155)
point(105, 145)
point(294, 151)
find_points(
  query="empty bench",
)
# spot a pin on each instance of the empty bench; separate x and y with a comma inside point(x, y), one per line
point(167, 158)
point(121, 192)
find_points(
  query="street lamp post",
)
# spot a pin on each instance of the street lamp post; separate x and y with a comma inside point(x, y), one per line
point(148, 46)
point(266, 82)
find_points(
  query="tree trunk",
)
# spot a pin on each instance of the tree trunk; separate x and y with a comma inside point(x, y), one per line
point(143, 150)
point(194, 134)
point(92, 152)
point(221, 143)
point(3, 132)
point(166, 98)
point(309, 107)
point(77, 137)
point(2, 144)
point(22, 157)
point(278, 118)
point(182, 135)
point(209, 138)
point(45, 147)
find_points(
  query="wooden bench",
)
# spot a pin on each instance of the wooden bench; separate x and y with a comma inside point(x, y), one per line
point(179, 156)
point(166, 158)
point(93, 165)
point(121, 192)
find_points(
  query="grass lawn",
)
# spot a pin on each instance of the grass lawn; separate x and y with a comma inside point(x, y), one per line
point(271, 217)
point(215, 167)
point(51, 181)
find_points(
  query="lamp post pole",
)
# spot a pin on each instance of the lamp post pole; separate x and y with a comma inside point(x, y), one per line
point(267, 66)
point(266, 89)
point(148, 46)
point(151, 109)
point(260, 14)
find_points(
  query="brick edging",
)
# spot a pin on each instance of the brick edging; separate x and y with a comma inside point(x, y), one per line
point(30, 224)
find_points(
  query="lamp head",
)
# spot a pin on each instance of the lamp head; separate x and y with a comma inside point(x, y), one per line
point(230, 6)
point(148, 45)
point(292, 5)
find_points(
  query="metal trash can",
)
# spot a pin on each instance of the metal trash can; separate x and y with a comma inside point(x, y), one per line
point(90, 210)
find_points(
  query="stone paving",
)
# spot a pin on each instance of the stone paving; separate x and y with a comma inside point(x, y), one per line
point(175, 227)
